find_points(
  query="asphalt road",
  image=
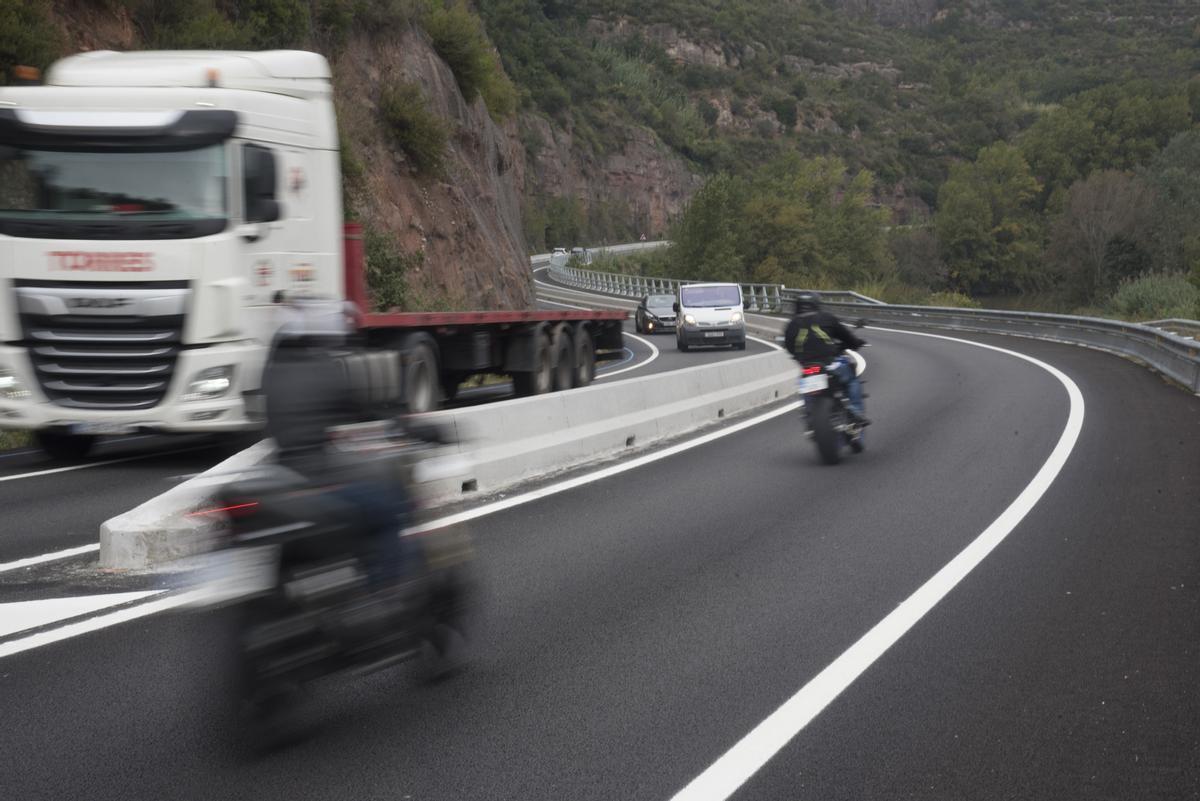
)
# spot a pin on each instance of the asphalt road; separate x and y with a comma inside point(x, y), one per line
point(639, 626)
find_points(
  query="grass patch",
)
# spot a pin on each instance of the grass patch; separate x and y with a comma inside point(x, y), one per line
point(421, 134)
point(11, 439)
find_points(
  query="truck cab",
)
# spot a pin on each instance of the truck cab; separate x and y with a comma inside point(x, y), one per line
point(153, 206)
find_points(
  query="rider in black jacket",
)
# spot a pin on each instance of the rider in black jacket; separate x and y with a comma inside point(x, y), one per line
point(815, 335)
point(308, 392)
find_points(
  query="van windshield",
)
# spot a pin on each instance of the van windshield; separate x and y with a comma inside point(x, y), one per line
point(728, 295)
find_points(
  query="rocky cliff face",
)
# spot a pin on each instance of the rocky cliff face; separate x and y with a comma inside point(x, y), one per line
point(467, 224)
point(645, 181)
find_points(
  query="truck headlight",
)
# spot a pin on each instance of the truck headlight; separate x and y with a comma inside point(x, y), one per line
point(11, 387)
point(735, 318)
point(689, 319)
point(210, 384)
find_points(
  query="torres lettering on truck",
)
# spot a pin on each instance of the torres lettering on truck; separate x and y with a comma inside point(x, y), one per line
point(154, 209)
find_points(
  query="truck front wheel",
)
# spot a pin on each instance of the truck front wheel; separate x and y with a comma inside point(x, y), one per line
point(64, 447)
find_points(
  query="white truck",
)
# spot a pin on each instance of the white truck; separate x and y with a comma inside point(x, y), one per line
point(156, 207)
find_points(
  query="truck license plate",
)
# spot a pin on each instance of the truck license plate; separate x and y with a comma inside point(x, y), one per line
point(813, 383)
point(714, 334)
point(102, 428)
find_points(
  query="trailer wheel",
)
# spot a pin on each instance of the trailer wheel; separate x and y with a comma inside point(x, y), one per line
point(64, 447)
point(585, 358)
point(541, 378)
point(564, 361)
point(421, 380)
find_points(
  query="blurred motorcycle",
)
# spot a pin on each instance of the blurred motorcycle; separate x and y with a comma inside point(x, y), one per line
point(309, 601)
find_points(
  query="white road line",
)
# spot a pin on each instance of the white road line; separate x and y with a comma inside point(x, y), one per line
point(54, 470)
point(725, 776)
point(51, 471)
point(654, 353)
point(23, 615)
point(48, 557)
point(99, 622)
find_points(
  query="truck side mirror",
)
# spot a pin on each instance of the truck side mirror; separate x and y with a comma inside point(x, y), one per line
point(258, 169)
point(675, 306)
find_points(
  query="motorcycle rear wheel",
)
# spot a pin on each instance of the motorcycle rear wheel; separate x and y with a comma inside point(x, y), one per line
point(828, 438)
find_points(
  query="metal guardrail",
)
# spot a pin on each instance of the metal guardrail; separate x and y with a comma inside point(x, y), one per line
point(1168, 346)
point(1172, 355)
point(1184, 328)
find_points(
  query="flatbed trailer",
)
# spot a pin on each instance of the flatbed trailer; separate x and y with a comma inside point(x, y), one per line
point(542, 351)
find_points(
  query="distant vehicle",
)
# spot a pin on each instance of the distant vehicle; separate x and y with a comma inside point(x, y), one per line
point(655, 313)
point(559, 252)
point(581, 256)
point(710, 314)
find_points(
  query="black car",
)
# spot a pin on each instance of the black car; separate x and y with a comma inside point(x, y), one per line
point(655, 313)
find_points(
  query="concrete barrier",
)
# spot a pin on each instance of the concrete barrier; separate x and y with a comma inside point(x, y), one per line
point(502, 444)
point(161, 529)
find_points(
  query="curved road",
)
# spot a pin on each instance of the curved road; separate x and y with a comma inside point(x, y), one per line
point(641, 626)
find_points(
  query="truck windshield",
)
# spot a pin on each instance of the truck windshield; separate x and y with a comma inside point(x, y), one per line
point(695, 296)
point(51, 185)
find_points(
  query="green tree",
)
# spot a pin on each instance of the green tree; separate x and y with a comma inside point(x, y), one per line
point(27, 35)
point(1174, 175)
point(1112, 127)
point(988, 224)
point(706, 240)
point(1097, 241)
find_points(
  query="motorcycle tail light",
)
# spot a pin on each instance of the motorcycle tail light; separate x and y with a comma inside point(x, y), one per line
point(233, 510)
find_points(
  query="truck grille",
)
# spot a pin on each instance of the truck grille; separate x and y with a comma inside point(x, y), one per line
point(96, 346)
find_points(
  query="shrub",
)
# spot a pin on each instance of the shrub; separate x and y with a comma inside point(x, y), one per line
point(10, 440)
point(459, 38)
point(953, 299)
point(1156, 296)
point(27, 35)
point(188, 25)
point(388, 267)
point(420, 133)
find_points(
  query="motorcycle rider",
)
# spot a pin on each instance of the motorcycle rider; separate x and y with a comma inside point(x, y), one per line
point(816, 335)
point(308, 392)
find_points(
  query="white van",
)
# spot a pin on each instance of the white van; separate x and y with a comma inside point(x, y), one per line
point(710, 314)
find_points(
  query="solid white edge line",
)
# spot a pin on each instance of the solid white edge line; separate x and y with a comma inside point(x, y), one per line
point(54, 556)
point(98, 622)
point(599, 475)
point(654, 352)
point(71, 468)
point(733, 769)
point(87, 465)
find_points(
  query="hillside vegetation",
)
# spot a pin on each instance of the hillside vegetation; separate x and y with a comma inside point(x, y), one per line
point(988, 131)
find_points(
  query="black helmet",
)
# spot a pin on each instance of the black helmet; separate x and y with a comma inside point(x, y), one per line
point(807, 302)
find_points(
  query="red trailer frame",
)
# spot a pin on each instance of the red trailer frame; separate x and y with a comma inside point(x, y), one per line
point(543, 351)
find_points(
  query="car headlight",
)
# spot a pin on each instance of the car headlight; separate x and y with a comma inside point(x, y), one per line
point(735, 318)
point(210, 384)
point(689, 319)
point(11, 387)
